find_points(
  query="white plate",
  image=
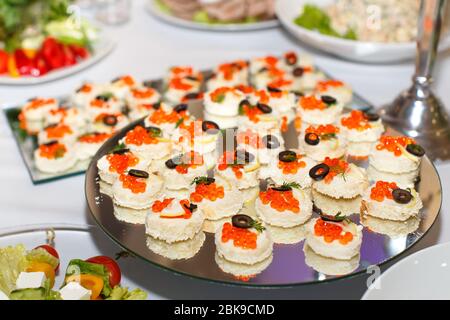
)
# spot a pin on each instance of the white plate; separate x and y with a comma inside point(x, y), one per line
point(153, 7)
point(73, 242)
point(101, 49)
point(371, 52)
point(422, 276)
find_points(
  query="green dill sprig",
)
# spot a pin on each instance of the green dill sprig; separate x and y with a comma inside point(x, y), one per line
point(257, 225)
point(202, 180)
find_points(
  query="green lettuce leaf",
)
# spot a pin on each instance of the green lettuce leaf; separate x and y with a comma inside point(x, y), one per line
point(78, 266)
point(122, 293)
point(12, 261)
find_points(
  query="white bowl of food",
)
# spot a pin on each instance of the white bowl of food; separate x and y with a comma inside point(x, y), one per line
point(360, 32)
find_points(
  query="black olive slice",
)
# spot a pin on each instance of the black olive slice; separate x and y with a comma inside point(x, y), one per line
point(317, 210)
point(298, 72)
point(192, 96)
point(291, 59)
point(264, 108)
point(336, 218)
point(282, 188)
point(242, 221)
point(271, 141)
point(171, 164)
point(155, 131)
point(53, 125)
point(312, 139)
point(210, 127)
point(415, 150)
point(402, 196)
point(204, 180)
point(273, 89)
point(192, 78)
point(328, 100)
point(104, 97)
point(287, 156)
point(319, 172)
point(50, 143)
point(244, 157)
point(371, 116)
point(110, 120)
point(191, 207)
point(298, 93)
point(138, 173)
point(180, 108)
point(156, 106)
point(121, 151)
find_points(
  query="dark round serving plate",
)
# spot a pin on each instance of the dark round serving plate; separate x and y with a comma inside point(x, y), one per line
point(288, 267)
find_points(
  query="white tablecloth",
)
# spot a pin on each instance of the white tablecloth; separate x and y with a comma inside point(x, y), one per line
point(146, 48)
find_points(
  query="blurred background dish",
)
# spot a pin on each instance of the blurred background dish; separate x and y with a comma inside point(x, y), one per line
point(419, 276)
point(368, 33)
point(216, 15)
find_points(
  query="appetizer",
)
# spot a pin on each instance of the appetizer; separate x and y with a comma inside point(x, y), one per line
point(319, 142)
point(337, 179)
point(54, 157)
point(386, 200)
point(179, 171)
point(238, 167)
point(117, 162)
point(182, 82)
point(223, 101)
point(264, 147)
point(168, 118)
point(336, 89)
point(147, 143)
point(285, 205)
point(33, 114)
point(230, 74)
point(88, 144)
point(58, 132)
point(108, 122)
point(319, 110)
point(216, 198)
point(334, 237)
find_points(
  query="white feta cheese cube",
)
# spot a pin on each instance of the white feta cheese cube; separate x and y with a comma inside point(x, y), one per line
point(3, 296)
point(30, 280)
point(74, 291)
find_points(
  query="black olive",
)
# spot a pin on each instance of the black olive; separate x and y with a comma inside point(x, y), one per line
point(192, 78)
point(264, 108)
point(328, 100)
point(155, 131)
point(192, 207)
point(138, 173)
point(121, 151)
point(282, 188)
point(244, 157)
point(273, 89)
point(287, 156)
point(317, 210)
point(401, 196)
point(298, 72)
point(50, 143)
point(53, 125)
point(180, 108)
point(291, 59)
point(312, 139)
point(192, 96)
point(204, 180)
point(415, 150)
point(156, 106)
point(125, 110)
point(210, 127)
point(298, 93)
point(243, 103)
point(210, 76)
point(328, 218)
point(371, 116)
point(271, 141)
point(171, 163)
point(103, 97)
point(319, 172)
point(242, 221)
point(110, 120)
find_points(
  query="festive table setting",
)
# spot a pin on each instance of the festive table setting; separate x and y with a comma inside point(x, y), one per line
point(385, 196)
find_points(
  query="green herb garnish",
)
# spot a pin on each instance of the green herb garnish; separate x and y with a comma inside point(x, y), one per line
point(179, 122)
point(118, 147)
point(257, 225)
point(202, 180)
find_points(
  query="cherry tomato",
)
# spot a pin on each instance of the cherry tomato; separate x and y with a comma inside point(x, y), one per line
point(113, 268)
point(69, 57)
point(51, 251)
point(79, 52)
point(3, 61)
point(53, 53)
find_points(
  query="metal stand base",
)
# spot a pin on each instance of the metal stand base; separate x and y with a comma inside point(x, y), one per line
point(419, 114)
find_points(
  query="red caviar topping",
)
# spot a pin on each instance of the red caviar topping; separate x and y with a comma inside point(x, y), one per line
point(323, 130)
point(252, 112)
point(210, 192)
point(52, 151)
point(160, 116)
point(128, 80)
point(139, 136)
point(394, 144)
point(271, 60)
point(180, 84)
point(331, 232)
point(182, 71)
point(280, 200)
point(159, 206)
point(142, 93)
point(136, 185)
point(382, 190)
point(86, 88)
point(337, 166)
point(58, 131)
point(39, 102)
point(99, 103)
point(190, 131)
point(121, 162)
point(219, 94)
point(292, 167)
point(227, 160)
point(243, 238)
point(280, 81)
point(325, 85)
point(284, 124)
point(356, 120)
point(94, 137)
point(312, 103)
point(228, 69)
point(249, 138)
point(245, 89)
